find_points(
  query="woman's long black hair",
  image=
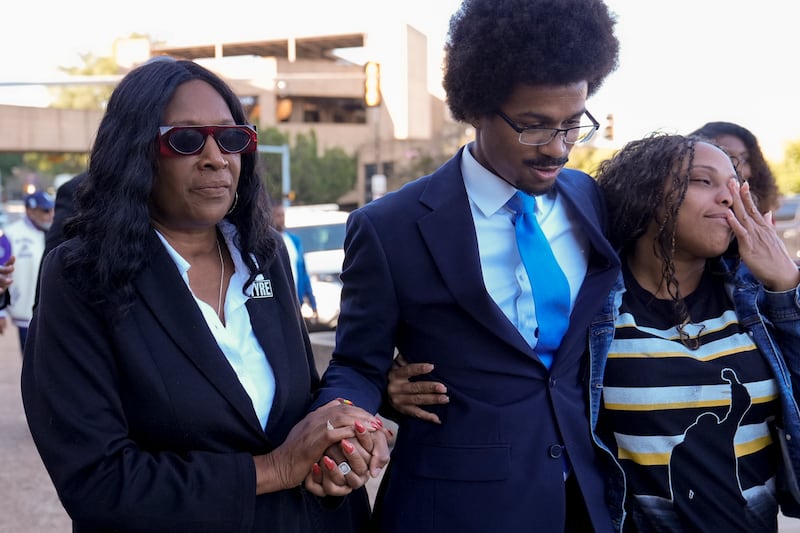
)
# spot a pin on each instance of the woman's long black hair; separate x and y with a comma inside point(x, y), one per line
point(113, 223)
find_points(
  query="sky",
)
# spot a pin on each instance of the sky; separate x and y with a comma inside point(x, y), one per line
point(682, 62)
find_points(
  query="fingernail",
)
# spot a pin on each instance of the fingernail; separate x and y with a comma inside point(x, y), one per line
point(316, 470)
point(345, 402)
point(347, 447)
point(390, 432)
point(379, 421)
point(375, 426)
point(328, 462)
point(360, 427)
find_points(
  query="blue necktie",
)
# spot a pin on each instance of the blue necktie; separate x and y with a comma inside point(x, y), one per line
point(548, 282)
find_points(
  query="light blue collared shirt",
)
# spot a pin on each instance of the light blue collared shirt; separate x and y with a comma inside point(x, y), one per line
point(504, 274)
point(236, 338)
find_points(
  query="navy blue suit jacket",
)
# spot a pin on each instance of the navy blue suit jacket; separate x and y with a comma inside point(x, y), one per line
point(142, 422)
point(412, 280)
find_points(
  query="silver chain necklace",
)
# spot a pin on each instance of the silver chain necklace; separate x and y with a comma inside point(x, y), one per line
point(221, 278)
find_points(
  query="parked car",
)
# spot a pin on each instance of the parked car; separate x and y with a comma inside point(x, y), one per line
point(787, 223)
point(321, 229)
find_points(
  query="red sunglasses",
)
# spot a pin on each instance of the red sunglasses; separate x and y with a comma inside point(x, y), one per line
point(189, 140)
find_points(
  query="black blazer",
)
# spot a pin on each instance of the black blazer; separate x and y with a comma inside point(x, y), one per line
point(412, 280)
point(142, 423)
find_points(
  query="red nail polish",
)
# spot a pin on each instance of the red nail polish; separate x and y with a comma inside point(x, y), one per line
point(328, 462)
point(347, 447)
point(391, 433)
point(375, 426)
point(379, 421)
point(360, 427)
point(316, 470)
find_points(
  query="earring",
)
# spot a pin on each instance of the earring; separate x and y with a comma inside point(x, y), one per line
point(233, 206)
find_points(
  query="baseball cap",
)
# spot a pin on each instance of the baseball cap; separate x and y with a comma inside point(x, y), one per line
point(39, 200)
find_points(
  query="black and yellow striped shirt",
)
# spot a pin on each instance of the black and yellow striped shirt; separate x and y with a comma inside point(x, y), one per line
point(692, 427)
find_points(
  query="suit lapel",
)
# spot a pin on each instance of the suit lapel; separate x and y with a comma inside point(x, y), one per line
point(455, 253)
point(172, 305)
point(268, 316)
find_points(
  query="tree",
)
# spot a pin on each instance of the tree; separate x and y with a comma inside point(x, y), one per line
point(80, 96)
point(788, 173)
point(314, 179)
point(86, 96)
point(587, 158)
point(271, 163)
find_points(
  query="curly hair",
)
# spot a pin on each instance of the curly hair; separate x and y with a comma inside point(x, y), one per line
point(634, 183)
point(493, 45)
point(762, 182)
point(113, 222)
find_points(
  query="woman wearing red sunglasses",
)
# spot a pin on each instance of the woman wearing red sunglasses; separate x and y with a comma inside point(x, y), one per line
point(168, 372)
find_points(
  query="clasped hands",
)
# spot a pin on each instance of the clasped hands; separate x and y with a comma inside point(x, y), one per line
point(358, 449)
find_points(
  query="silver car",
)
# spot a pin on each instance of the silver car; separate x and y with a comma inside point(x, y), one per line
point(787, 223)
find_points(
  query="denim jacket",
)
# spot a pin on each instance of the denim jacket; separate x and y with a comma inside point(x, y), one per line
point(773, 321)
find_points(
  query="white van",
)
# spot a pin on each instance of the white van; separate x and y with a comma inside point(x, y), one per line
point(321, 229)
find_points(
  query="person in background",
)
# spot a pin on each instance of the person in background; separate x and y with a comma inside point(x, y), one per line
point(294, 246)
point(168, 375)
point(748, 159)
point(434, 270)
point(64, 209)
point(27, 237)
point(697, 348)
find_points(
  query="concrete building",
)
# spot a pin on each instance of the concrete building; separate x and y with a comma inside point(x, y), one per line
point(297, 84)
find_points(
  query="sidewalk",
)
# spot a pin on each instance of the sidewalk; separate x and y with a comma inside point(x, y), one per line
point(28, 501)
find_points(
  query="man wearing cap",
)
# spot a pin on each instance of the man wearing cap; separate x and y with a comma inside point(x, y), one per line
point(27, 237)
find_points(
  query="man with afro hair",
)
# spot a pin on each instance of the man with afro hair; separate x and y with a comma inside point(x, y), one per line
point(433, 270)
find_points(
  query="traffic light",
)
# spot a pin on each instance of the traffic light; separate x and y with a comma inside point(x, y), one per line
point(608, 132)
point(372, 84)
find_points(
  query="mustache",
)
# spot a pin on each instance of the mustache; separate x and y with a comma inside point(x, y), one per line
point(546, 161)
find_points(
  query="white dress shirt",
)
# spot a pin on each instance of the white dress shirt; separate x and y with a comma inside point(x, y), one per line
point(236, 338)
point(504, 274)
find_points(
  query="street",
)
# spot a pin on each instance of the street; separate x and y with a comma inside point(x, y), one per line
point(28, 501)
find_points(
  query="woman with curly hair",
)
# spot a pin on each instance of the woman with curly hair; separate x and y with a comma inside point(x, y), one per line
point(168, 374)
point(698, 401)
point(742, 146)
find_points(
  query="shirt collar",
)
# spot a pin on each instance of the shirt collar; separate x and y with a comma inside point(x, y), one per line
point(229, 233)
point(489, 192)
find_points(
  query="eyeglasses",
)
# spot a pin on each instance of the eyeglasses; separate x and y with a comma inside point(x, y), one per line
point(538, 136)
point(189, 140)
point(739, 161)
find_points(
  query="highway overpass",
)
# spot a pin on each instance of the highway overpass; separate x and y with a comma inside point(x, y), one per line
point(38, 129)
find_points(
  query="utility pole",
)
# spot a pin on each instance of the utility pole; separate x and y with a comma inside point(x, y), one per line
point(286, 178)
